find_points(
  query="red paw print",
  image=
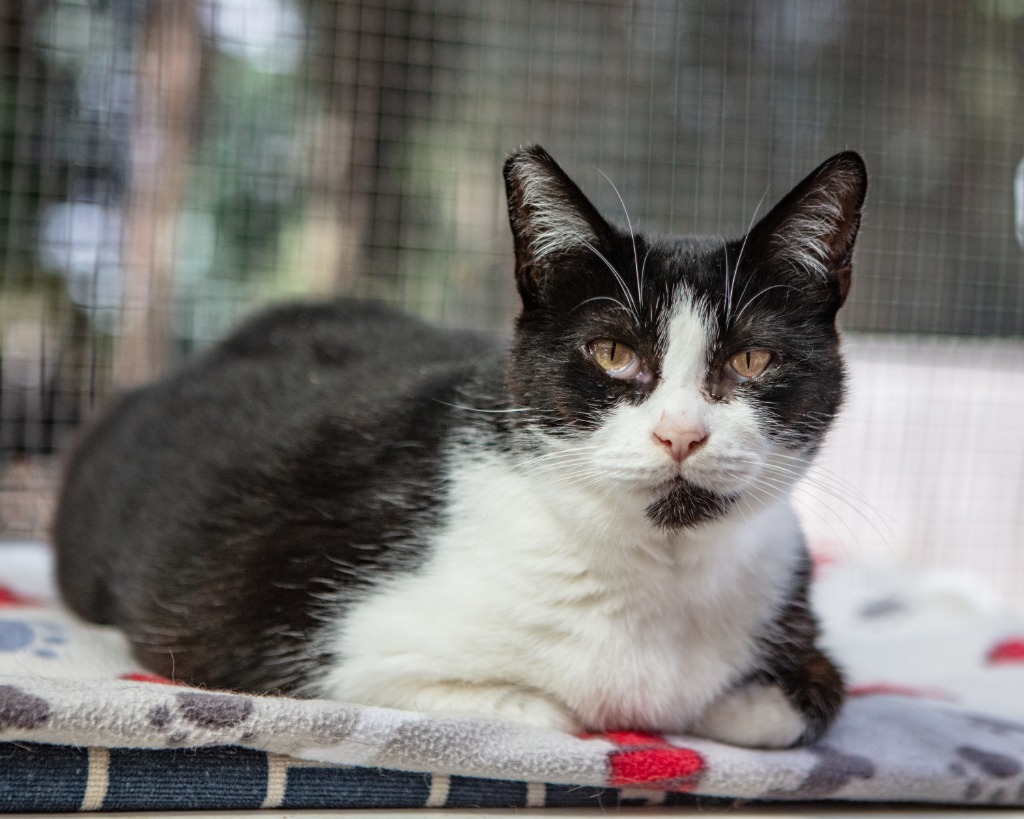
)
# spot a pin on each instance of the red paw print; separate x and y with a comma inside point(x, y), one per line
point(138, 676)
point(649, 760)
point(897, 690)
point(1007, 652)
point(9, 597)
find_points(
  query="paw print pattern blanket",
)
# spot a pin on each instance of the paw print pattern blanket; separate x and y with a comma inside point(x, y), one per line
point(936, 714)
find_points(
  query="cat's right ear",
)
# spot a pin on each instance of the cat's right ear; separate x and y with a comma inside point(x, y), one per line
point(551, 220)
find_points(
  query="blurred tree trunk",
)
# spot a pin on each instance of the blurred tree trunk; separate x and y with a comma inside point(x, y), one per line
point(167, 96)
point(376, 65)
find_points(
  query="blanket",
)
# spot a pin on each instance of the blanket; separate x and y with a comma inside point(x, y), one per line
point(936, 714)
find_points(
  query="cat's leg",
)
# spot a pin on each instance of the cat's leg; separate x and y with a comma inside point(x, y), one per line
point(777, 710)
point(795, 692)
point(430, 695)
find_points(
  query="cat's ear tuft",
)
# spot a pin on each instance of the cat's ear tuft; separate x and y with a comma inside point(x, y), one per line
point(814, 227)
point(550, 218)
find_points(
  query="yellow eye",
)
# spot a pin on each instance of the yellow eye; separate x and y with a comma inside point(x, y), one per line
point(615, 358)
point(750, 363)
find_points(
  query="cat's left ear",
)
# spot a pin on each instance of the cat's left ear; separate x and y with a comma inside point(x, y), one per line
point(552, 221)
point(812, 230)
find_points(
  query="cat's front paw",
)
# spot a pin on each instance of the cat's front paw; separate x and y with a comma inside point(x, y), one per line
point(753, 715)
point(508, 702)
point(532, 709)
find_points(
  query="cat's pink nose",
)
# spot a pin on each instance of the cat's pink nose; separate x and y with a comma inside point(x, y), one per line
point(681, 440)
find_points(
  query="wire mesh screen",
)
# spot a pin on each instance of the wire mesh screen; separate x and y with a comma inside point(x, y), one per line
point(167, 165)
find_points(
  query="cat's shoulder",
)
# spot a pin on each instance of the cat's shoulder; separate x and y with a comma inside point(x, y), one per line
point(347, 320)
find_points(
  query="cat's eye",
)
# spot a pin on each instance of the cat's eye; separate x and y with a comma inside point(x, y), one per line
point(749, 364)
point(615, 358)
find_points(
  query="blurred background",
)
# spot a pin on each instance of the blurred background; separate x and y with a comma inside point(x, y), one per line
point(168, 165)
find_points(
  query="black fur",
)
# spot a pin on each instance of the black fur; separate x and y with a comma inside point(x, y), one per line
point(222, 516)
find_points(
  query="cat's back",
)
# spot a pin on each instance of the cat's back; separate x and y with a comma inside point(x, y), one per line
point(298, 388)
point(348, 348)
point(360, 361)
point(337, 331)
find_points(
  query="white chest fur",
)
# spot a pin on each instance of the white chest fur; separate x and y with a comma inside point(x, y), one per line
point(595, 614)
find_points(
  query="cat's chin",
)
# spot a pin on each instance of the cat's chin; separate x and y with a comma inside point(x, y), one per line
point(682, 504)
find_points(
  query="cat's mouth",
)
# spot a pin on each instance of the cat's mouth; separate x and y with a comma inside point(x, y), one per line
point(682, 503)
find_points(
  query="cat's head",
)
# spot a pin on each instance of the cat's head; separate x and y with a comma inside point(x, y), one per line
point(689, 371)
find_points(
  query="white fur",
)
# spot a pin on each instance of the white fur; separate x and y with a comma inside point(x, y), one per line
point(550, 598)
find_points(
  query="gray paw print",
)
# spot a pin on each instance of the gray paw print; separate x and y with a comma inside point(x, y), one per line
point(19, 709)
point(193, 710)
point(992, 777)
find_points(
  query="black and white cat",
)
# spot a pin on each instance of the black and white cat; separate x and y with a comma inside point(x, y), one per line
point(589, 531)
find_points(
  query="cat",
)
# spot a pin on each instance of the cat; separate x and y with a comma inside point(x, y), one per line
point(586, 530)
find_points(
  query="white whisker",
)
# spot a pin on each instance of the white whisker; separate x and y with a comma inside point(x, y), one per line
point(632, 238)
point(757, 295)
point(618, 277)
point(793, 478)
point(605, 298)
point(479, 409)
point(731, 284)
